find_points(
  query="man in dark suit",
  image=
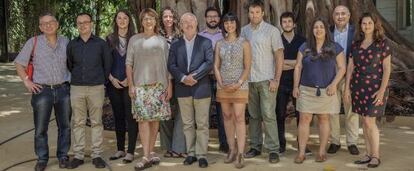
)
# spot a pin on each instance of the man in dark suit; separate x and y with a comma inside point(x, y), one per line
point(190, 60)
point(343, 33)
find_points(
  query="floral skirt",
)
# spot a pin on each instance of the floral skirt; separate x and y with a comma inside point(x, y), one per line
point(150, 103)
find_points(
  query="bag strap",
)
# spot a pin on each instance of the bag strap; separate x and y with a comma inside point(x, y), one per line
point(33, 49)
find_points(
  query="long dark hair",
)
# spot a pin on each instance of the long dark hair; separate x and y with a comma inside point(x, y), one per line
point(328, 47)
point(378, 29)
point(113, 38)
point(176, 28)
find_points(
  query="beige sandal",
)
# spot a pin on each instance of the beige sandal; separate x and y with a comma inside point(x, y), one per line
point(143, 164)
point(154, 159)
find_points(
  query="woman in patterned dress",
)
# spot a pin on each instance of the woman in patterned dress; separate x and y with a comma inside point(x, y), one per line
point(231, 68)
point(367, 81)
point(149, 85)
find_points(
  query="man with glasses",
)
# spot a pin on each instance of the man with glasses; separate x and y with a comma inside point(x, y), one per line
point(49, 88)
point(89, 61)
point(213, 32)
point(343, 33)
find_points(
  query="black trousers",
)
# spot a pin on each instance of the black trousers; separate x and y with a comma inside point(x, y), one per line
point(282, 100)
point(121, 107)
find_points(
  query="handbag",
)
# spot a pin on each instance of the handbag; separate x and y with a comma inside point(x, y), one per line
point(30, 67)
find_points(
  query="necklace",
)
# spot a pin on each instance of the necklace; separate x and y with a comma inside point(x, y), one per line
point(122, 42)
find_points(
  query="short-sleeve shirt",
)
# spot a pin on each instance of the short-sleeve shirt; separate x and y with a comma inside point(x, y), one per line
point(319, 72)
point(290, 52)
point(49, 63)
point(265, 40)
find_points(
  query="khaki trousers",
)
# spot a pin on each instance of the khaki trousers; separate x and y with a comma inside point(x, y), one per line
point(195, 115)
point(351, 122)
point(84, 99)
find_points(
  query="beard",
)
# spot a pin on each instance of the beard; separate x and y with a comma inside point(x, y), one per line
point(288, 31)
point(212, 26)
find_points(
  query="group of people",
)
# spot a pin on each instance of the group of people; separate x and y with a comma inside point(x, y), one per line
point(165, 78)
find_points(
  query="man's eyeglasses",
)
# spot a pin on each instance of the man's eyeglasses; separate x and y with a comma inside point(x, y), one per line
point(50, 23)
point(83, 23)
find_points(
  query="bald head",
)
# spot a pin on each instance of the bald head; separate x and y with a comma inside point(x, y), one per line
point(188, 23)
point(188, 16)
point(341, 15)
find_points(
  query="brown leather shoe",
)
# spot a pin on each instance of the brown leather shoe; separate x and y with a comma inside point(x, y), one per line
point(299, 159)
point(240, 161)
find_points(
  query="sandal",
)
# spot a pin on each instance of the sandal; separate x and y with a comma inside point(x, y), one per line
point(364, 160)
point(320, 158)
point(182, 155)
point(171, 154)
point(299, 159)
point(143, 164)
point(154, 159)
point(117, 155)
point(374, 165)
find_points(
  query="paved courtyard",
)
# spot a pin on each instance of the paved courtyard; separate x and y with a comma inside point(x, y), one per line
point(397, 142)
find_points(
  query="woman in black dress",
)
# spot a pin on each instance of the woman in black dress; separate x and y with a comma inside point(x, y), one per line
point(367, 81)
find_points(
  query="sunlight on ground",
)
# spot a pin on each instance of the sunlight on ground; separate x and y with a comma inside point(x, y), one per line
point(352, 165)
point(163, 163)
point(404, 127)
point(409, 132)
point(10, 78)
point(314, 136)
point(8, 113)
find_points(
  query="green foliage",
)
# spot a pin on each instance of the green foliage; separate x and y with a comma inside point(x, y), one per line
point(67, 12)
point(16, 26)
point(23, 17)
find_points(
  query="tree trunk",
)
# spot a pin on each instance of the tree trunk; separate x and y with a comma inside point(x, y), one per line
point(197, 7)
point(138, 5)
point(306, 10)
point(3, 32)
point(98, 7)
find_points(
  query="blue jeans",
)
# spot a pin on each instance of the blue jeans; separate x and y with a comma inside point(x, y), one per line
point(43, 102)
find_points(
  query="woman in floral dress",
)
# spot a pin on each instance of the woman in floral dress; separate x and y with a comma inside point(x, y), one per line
point(149, 85)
